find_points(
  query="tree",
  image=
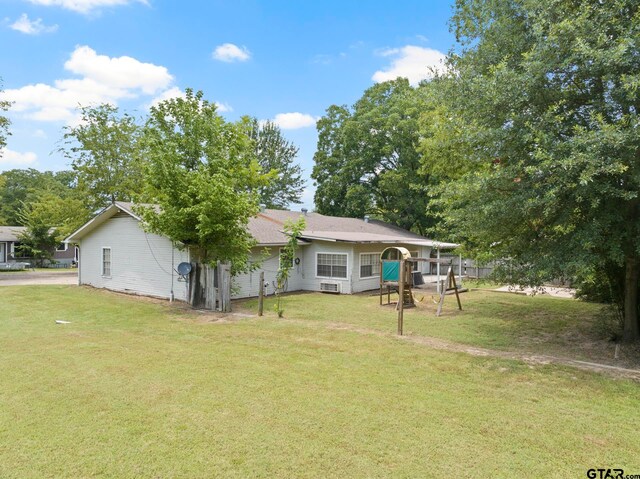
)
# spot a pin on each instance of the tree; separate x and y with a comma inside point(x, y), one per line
point(293, 229)
point(276, 154)
point(204, 178)
point(367, 159)
point(39, 240)
point(550, 92)
point(105, 155)
point(4, 122)
point(20, 187)
point(49, 220)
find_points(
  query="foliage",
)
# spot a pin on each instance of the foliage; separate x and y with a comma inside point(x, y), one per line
point(549, 90)
point(105, 155)
point(276, 154)
point(20, 187)
point(38, 241)
point(293, 229)
point(367, 159)
point(64, 215)
point(4, 122)
point(202, 174)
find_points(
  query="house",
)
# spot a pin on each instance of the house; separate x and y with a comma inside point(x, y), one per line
point(10, 239)
point(334, 254)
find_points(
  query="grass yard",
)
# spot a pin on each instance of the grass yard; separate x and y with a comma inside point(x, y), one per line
point(138, 388)
point(503, 321)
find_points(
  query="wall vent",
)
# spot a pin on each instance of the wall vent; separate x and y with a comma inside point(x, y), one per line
point(329, 287)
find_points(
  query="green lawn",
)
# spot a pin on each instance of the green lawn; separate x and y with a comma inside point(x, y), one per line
point(504, 321)
point(135, 388)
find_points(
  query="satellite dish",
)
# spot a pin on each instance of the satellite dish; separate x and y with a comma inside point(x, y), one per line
point(184, 269)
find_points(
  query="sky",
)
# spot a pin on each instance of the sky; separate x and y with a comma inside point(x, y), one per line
point(286, 61)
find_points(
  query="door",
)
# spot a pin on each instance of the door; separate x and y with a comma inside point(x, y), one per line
point(3, 252)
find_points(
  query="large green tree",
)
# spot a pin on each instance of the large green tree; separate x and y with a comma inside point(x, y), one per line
point(550, 91)
point(105, 155)
point(367, 158)
point(20, 187)
point(276, 154)
point(203, 176)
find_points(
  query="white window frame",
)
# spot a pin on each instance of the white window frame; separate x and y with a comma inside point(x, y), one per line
point(280, 251)
point(415, 265)
point(332, 277)
point(65, 247)
point(105, 248)
point(360, 265)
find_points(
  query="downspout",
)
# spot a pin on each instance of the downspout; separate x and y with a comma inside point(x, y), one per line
point(79, 263)
point(172, 266)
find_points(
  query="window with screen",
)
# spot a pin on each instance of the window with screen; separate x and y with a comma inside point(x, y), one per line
point(331, 265)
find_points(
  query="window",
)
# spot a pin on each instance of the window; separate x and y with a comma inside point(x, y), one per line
point(331, 265)
point(416, 267)
point(285, 259)
point(369, 265)
point(106, 262)
point(62, 247)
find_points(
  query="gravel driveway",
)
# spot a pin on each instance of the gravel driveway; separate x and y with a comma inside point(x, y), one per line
point(38, 277)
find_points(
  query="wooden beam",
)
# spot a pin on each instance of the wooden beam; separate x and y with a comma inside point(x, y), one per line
point(401, 278)
point(261, 294)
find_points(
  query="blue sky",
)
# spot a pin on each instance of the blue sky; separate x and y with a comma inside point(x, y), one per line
point(281, 60)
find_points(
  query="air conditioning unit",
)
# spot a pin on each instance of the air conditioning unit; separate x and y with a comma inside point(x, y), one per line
point(329, 287)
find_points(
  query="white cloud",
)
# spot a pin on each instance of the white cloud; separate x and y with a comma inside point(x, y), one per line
point(295, 120)
point(39, 134)
point(104, 80)
point(85, 6)
point(120, 72)
point(228, 52)
point(31, 27)
point(15, 158)
point(411, 62)
point(223, 107)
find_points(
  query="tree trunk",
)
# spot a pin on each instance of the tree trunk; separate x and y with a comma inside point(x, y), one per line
point(631, 326)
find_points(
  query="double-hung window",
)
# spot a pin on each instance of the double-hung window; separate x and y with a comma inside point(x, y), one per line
point(416, 265)
point(106, 262)
point(369, 265)
point(331, 265)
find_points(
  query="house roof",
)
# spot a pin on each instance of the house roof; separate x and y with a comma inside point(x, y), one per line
point(11, 233)
point(351, 230)
point(268, 226)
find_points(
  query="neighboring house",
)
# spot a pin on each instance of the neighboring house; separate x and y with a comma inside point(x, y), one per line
point(10, 239)
point(334, 254)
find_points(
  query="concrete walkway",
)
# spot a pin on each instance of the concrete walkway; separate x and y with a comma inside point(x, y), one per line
point(27, 278)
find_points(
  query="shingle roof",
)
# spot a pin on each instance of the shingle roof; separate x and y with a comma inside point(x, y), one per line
point(268, 226)
point(11, 233)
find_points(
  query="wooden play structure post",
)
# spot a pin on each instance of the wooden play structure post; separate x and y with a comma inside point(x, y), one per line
point(451, 285)
point(401, 280)
point(261, 294)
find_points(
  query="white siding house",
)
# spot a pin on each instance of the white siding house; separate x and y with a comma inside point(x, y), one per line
point(334, 254)
point(117, 254)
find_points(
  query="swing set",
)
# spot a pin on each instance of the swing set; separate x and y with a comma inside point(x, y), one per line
point(397, 274)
